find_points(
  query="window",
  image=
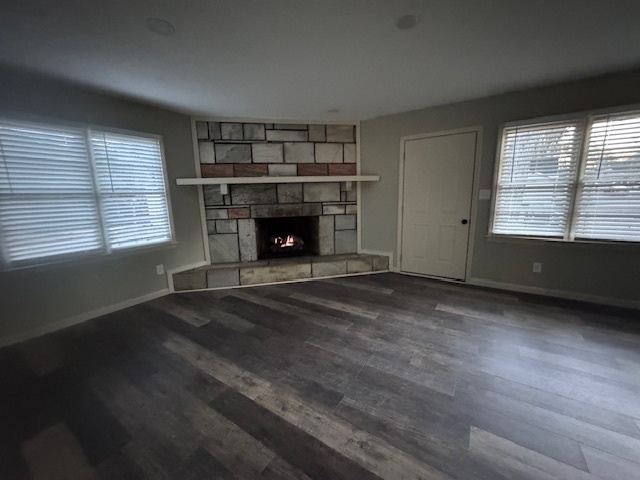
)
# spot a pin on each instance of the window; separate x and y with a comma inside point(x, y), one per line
point(609, 191)
point(66, 191)
point(570, 180)
point(131, 189)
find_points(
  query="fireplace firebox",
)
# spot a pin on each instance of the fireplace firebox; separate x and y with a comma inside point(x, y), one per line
point(286, 237)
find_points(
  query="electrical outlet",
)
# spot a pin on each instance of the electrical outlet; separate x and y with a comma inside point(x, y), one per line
point(537, 267)
point(160, 269)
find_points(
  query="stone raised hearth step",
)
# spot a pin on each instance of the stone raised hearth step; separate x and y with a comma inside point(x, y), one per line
point(277, 270)
point(284, 179)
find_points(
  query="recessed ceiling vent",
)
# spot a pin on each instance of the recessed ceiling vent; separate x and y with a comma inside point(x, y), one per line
point(406, 22)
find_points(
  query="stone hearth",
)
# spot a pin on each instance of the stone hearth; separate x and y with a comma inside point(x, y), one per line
point(277, 270)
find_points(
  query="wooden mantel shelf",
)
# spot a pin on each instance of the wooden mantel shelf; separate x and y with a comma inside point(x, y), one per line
point(299, 179)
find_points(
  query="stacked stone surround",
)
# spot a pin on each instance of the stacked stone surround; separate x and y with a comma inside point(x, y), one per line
point(230, 149)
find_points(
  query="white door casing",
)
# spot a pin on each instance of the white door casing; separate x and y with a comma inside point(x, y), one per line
point(436, 199)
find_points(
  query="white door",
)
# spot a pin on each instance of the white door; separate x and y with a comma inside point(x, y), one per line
point(438, 182)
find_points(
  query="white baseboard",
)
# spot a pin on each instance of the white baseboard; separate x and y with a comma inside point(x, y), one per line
point(432, 277)
point(582, 297)
point(82, 317)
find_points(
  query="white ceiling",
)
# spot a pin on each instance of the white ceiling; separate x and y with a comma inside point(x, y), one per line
point(297, 59)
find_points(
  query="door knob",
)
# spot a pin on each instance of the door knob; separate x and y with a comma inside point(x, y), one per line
point(465, 221)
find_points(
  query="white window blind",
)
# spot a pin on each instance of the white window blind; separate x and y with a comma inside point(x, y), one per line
point(67, 191)
point(536, 179)
point(131, 185)
point(609, 193)
point(47, 200)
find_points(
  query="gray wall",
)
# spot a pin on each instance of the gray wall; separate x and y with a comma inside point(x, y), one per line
point(606, 271)
point(34, 298)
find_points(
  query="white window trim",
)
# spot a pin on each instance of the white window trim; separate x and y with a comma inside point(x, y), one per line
point(88, 257)
point(587, 118)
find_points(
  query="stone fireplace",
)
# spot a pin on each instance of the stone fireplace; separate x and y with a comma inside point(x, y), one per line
point(229, 149)
point(314, 221)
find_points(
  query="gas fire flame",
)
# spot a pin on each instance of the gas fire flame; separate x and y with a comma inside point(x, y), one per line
point(283, 242)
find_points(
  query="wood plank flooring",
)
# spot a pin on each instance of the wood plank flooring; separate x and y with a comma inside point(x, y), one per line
point(374, 377)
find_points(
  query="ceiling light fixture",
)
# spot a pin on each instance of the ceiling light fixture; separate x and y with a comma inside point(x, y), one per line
point(160, 27)
point(406, 22)
point(333, 110)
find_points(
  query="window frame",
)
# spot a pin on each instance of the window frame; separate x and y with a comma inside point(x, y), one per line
point(586, 118)
point(105, 251)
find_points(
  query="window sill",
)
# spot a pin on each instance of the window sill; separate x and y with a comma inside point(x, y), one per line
point(139, 250)
point(559, 241)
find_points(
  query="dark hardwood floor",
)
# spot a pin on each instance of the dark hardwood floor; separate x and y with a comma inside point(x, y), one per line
point(380, 376)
